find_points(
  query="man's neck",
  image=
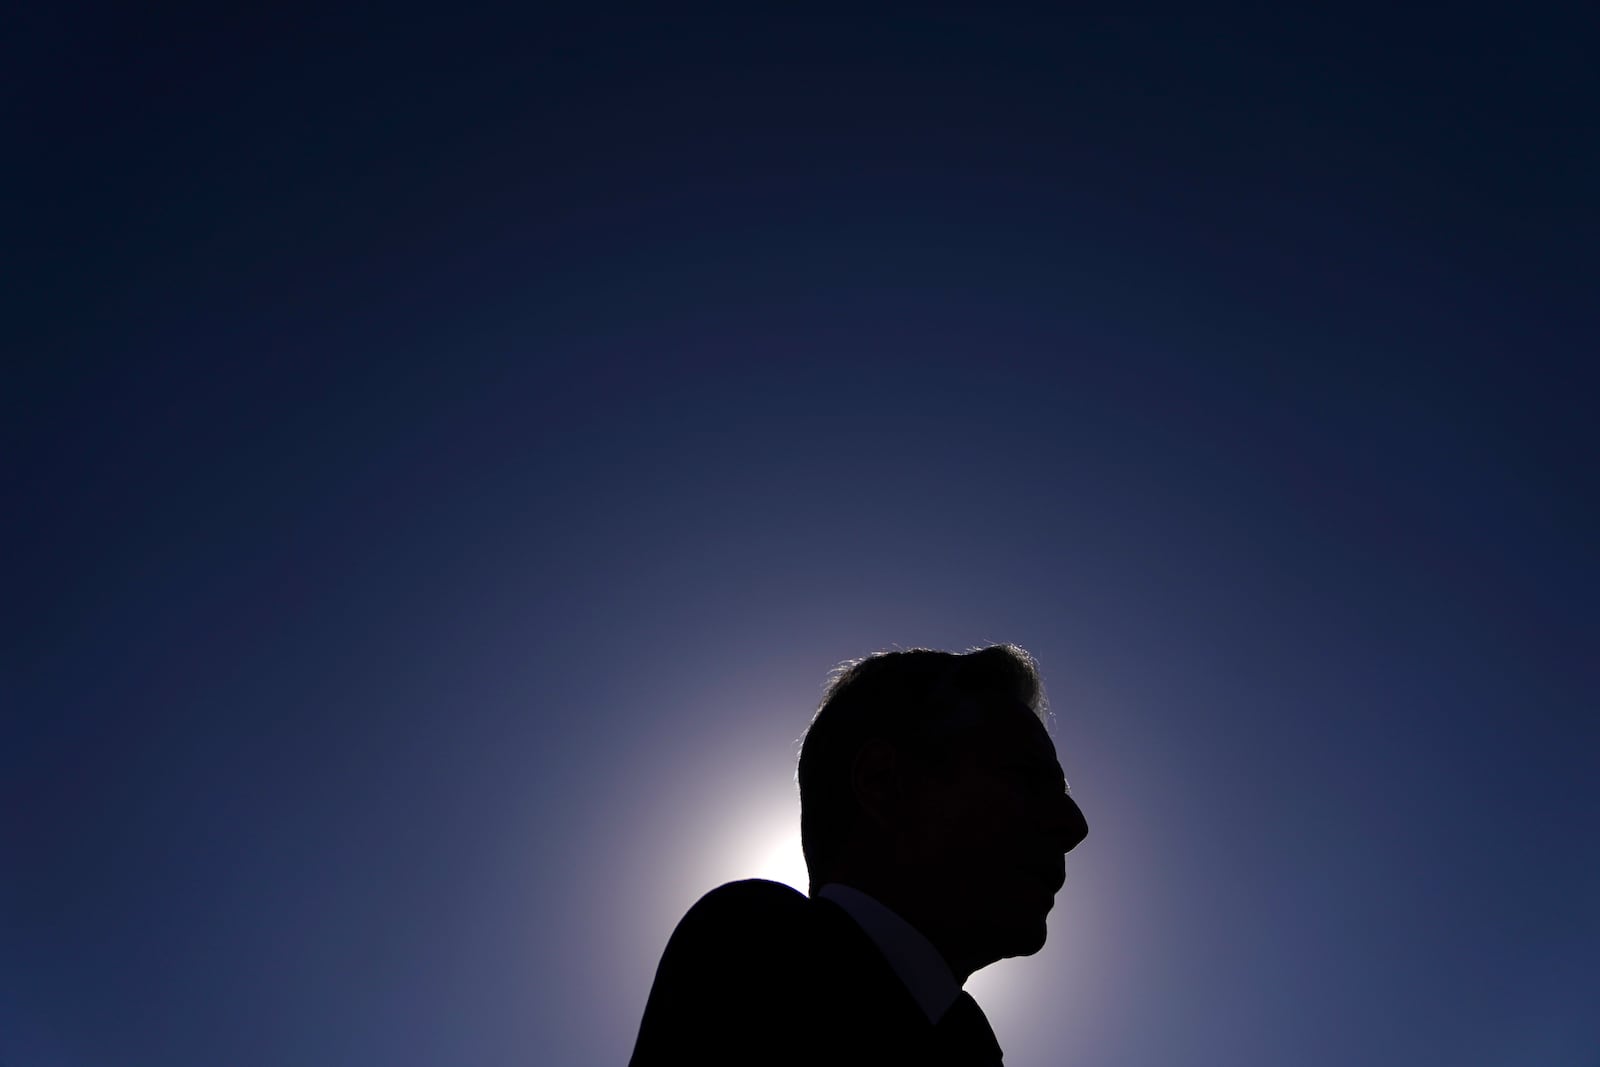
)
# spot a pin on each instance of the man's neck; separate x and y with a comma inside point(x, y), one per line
point(909, 906)
point(914, 959)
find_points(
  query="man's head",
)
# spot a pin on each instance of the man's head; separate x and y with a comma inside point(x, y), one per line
point(929, 778)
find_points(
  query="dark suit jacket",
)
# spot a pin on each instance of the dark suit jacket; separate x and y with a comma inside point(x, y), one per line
point(757, 973)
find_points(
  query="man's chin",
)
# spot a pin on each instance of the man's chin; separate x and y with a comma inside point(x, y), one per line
point(1026, 940)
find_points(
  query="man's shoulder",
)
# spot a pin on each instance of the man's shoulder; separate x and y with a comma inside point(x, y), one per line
point(754, 926)
point(757, 965)
point(741, 944)
point(756, 896)
point(747, 912)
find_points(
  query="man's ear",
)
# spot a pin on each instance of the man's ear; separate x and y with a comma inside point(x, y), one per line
point(877, 780)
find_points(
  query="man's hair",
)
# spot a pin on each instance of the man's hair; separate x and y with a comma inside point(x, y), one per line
point(912, 698)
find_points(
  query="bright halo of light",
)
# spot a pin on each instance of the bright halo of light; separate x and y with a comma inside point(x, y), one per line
point(785, 863)
point(763, 842)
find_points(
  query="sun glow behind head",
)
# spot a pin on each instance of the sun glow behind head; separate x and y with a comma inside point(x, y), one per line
point(784, 862)
point(741, 830)
point(761, 841)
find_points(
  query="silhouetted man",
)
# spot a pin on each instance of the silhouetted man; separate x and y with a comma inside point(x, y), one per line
point(935, 820)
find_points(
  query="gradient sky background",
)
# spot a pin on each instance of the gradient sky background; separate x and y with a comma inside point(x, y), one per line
point(449, 449)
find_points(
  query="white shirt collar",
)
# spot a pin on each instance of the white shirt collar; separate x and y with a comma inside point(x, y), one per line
point(912, 956)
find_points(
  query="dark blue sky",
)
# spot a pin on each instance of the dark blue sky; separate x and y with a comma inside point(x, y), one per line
point(447, 450)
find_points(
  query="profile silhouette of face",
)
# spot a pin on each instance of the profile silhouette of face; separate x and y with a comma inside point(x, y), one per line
point(993, 829)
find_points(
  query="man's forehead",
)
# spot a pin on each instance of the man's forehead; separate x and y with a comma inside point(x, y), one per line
point(1012, 728)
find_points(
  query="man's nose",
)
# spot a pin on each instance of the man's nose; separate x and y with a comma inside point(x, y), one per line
point(1068, 824)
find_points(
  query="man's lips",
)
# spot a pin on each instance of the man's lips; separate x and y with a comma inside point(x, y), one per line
point(1051, 876)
